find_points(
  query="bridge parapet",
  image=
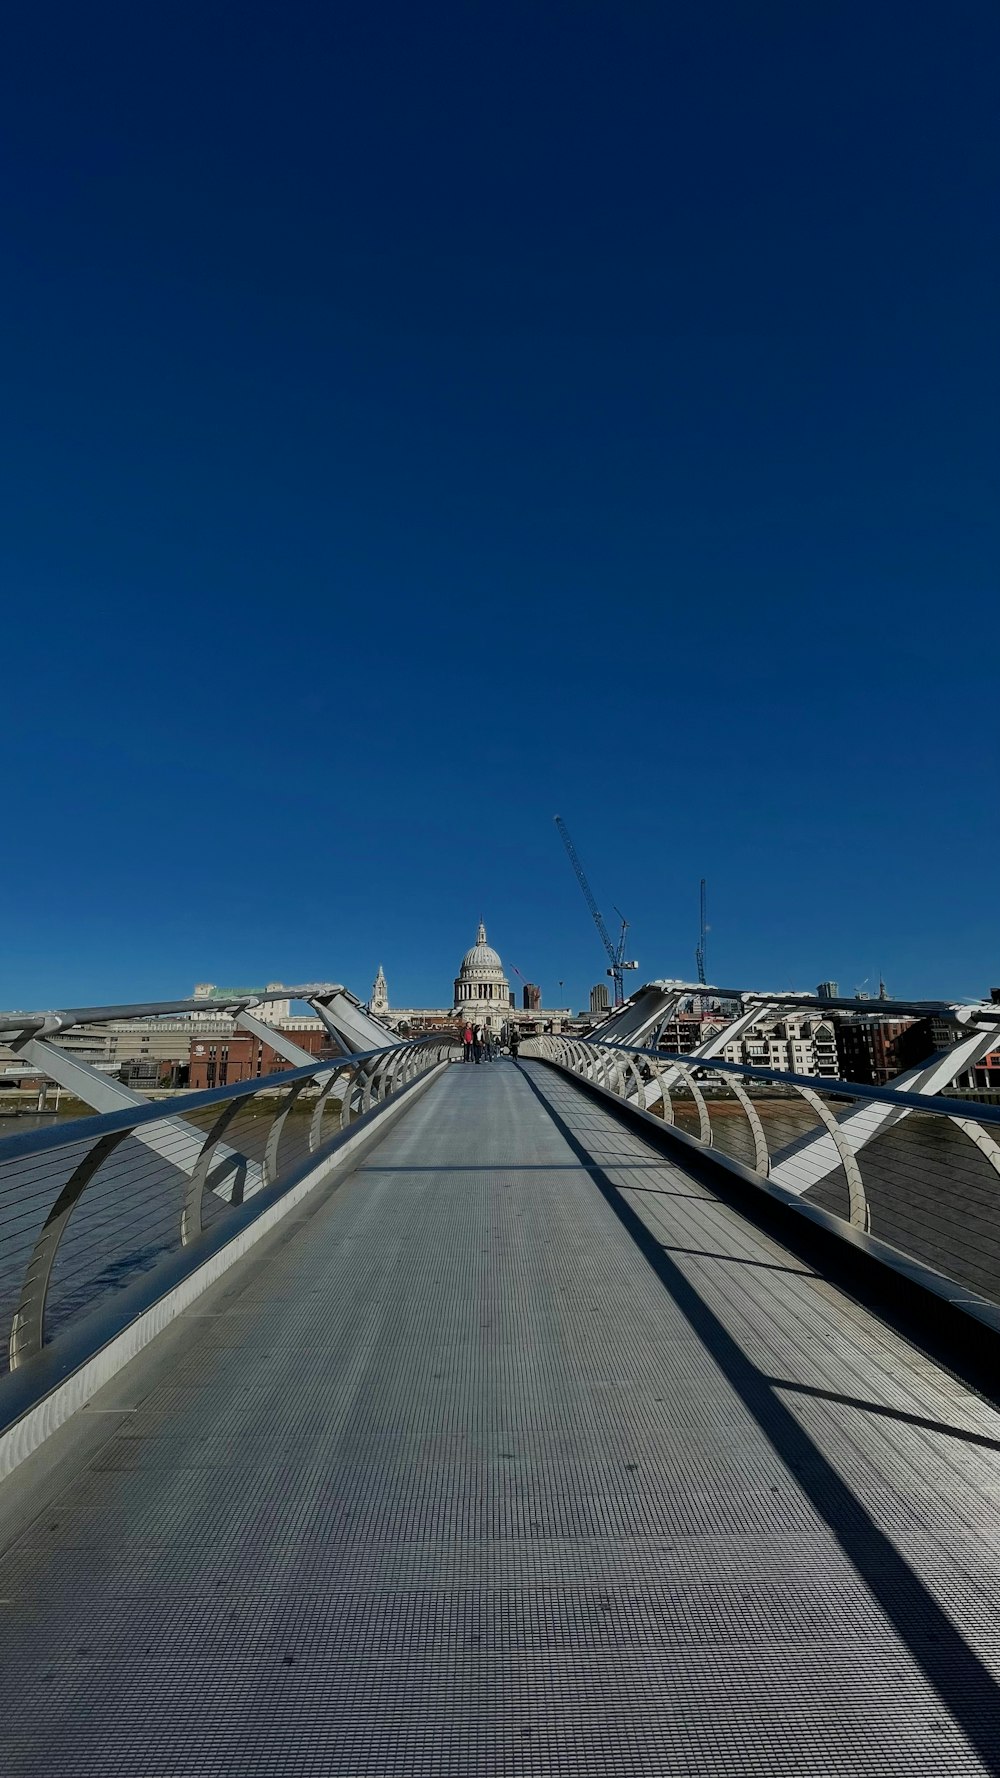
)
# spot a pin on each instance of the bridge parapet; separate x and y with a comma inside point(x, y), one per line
point(919, 1170)
point(106, 1217)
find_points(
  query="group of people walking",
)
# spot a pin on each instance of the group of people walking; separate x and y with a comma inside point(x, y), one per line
point(480, 1044)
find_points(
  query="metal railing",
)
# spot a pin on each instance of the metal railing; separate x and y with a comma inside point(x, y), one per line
point(914, 1168)
point(86, 1206)
point(206, 1006)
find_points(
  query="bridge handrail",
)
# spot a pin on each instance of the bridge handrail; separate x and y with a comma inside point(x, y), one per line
point(932, 1185)
point(984, 1012)
point(836, 1088)
point(52, 1022)
point(181, 1102)
point(148, 1212)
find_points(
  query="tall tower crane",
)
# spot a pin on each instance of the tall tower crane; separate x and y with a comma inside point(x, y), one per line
point(699, 955)
point(615, 952)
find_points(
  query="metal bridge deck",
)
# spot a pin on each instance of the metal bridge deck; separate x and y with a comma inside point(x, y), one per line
point(452, 1478)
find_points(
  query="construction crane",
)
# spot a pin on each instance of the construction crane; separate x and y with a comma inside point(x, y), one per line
point(699, 955)
point(615, 952)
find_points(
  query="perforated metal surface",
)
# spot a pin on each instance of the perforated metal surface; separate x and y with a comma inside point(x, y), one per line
point(458, 1480)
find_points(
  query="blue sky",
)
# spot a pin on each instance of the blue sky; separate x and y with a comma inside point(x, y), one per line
point(419, 422)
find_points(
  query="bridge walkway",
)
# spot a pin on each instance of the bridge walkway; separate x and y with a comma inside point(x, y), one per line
point(456, 1475)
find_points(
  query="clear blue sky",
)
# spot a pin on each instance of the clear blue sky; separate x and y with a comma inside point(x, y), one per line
point(420, 421)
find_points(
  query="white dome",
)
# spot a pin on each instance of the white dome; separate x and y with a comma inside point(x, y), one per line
point(481, 958)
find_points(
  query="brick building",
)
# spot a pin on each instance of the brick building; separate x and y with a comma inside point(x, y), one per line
point(218, 1061)
point(986, 1073)
point(869, 1049)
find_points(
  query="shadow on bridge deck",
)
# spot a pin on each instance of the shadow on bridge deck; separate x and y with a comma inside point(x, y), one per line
point(517, 1452)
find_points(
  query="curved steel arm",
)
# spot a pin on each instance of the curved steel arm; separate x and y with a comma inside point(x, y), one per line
point(610, 1059)
point(985, 1143)
point(316, 1121)
point(665, 1100)
point(762, 1158)
point(355, 1088)
point(371, 1082)
point(393, 1074)
point(705, 1132)
point(614, 1076)
point(860, 1214)
point(191, 1214)
point(640, 1085)
point(27, 1334)
point(274, 1134)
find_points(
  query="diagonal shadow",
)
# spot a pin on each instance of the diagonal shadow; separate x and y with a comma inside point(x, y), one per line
point(656, 1191)
point(962, 1681)
point(737, 1259)
point(887, 1413)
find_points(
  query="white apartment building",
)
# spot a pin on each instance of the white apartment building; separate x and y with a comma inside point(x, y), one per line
point(789, 1046)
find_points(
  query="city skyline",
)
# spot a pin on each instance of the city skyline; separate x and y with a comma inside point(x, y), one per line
point(569, 984)
point(424, 991)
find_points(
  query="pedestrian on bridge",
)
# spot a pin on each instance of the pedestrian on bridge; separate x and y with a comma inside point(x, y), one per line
point(477, 1044)
point(515, 1042)
point(467, 1044)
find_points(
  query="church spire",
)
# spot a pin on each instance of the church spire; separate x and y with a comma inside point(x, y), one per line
point(481, 934)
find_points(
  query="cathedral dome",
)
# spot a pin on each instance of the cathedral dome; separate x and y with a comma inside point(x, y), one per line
point(480, 957)
point(480, 985)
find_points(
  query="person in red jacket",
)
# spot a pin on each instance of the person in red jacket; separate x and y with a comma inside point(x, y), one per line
point(467, 1043)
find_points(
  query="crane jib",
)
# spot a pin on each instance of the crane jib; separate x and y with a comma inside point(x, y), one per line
point(615, 952)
